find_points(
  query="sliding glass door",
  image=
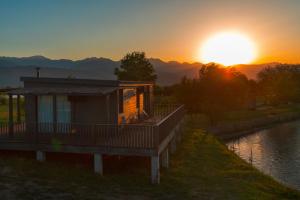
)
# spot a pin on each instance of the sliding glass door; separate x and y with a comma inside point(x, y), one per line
point(63, 114)
point(45, 113)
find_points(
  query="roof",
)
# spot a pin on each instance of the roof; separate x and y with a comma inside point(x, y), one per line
point(6, 89)
point(87, 82)
point(71, 86)
point(64, 90)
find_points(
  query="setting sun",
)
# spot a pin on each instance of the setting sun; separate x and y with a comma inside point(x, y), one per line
point(228, 48)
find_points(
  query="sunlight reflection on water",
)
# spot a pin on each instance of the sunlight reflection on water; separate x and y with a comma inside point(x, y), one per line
point(275, 151)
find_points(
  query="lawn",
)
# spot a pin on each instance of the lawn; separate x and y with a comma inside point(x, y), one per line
point(240, 115)
point(202, 168)
point(4, 112)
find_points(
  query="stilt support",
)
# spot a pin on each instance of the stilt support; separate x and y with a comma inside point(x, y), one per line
point(173, 145)
point(165, 158)
point(98, 163)
point(10, 115)
point(40, 156)
point(155, 176)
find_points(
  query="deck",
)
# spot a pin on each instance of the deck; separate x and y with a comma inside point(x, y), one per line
point(146, 138)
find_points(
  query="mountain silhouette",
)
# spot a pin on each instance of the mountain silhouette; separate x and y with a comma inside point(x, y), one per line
point(12, 68)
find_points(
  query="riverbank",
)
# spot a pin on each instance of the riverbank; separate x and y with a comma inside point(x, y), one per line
point(202, 168)
point(257, 120)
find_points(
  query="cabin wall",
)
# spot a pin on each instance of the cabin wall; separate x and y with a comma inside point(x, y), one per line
point(134, 105)
point(94, 110)
point(84, 109)
point(129, 104)
point(30, 111)
point(97, 109)
point(148, 100)
point(89, 110)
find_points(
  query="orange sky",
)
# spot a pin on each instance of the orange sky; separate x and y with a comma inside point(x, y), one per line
point(169, 29)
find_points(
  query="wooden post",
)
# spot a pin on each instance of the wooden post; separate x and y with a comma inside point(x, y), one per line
point(178, 133)
point(108, 108)
point(147, 100)
point(98, 163)
point(10, 115)
point(138, 103)
point(40, 156)
point(155, 175)
point(165, 158)
point(173, 145)
point(156, 138)
point(54, 113)
point(18, 109)
point(36, 125)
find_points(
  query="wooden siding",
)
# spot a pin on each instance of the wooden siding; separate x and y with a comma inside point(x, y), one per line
point(129, 103)
point(141, 106)
point(94, 108)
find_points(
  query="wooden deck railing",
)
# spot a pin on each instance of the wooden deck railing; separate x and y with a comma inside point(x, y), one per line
point(146, 136)
point(169, 122)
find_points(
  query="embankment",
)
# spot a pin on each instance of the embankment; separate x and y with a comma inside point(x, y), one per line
point(229, 130)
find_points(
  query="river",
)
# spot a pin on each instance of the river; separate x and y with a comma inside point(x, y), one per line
point(275, 151)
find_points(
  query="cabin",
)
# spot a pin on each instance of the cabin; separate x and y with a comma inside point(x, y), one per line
point(83, 101)
point(99, 117)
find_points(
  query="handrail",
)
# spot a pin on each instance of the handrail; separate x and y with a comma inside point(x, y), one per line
point(107, 135)
point(168, 116)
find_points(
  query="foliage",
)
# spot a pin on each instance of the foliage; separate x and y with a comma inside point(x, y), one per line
point(3, 99)
point(136, 67)
point(4, 110)
point(280, 84)
point(218, 89)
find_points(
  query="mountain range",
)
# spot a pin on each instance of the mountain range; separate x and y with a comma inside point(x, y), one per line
point(12, 68)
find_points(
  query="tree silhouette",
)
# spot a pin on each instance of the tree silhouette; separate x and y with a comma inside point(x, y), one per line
point(135, 67)
point(280, 84)
point(217, 90)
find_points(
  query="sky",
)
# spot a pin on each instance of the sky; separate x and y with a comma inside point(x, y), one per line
point(166, 29)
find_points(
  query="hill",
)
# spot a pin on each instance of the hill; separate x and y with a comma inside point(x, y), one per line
point(12, 68)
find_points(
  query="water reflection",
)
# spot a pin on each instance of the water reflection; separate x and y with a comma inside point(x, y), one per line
point(275, 151)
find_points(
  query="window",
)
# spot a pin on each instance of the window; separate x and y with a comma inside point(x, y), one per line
point(63, 109)
point(45, 113)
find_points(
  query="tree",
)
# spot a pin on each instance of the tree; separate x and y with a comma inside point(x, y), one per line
point(217, 90)
point(135, 67)
point(280, 84)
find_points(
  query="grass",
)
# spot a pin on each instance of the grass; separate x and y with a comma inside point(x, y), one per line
point(4, 112)
point(202, 168)
point(262, 112)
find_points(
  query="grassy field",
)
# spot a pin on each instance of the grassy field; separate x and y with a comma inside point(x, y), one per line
point(202, 168)
point(261, 112)
point(4, 112)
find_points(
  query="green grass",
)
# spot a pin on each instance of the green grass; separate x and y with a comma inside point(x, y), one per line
point(202, 168)
point(240, 115)
point(4, 112)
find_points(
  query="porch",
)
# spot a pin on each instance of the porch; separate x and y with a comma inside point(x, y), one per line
point(153, 137)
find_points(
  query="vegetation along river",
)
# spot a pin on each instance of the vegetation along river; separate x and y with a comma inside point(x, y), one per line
point(275, 151)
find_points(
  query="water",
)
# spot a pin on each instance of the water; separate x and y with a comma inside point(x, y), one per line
point(275, 151)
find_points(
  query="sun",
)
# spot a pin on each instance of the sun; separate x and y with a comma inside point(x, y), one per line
point(228, 48)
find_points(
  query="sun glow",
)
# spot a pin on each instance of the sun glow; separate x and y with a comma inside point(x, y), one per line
point(228, 48)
